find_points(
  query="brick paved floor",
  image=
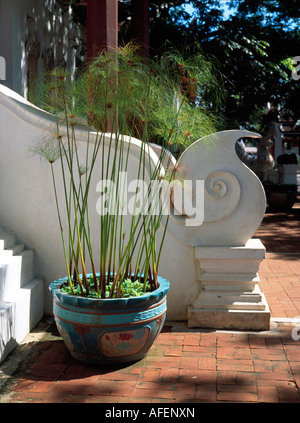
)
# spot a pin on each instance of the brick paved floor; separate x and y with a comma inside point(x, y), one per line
point(184, 365)
point(280, 271)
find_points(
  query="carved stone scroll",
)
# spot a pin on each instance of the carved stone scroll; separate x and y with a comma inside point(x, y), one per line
point(234, 198)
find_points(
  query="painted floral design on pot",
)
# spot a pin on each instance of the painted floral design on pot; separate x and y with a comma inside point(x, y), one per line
point(119, 344)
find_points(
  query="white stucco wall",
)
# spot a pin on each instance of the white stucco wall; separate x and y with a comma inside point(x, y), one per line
point(233, 201)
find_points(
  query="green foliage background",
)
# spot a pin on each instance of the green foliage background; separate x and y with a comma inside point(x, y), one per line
point(253, 47)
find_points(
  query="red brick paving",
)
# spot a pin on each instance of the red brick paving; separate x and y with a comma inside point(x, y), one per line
point(191, 366)
point(280, 271)
point(239, 367)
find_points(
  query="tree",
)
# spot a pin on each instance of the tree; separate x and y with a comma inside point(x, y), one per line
point(253, 49)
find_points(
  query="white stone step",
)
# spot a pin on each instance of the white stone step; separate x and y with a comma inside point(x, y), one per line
point(11, 251)
point(28, 271)
point(242, 306)
point(7, 239)
point(15, 272)
point(21, 294)
point(212, 277)
point(10, 279)
point(7, 329)
point(29, 308)
point(19, 317)
point(229, 319)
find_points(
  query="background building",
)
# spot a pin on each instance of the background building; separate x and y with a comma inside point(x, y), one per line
point(35, 37)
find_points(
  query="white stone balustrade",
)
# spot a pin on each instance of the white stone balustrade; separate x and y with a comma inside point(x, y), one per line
point(212, 267)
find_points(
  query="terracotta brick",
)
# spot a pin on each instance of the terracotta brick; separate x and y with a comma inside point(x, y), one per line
point(233, 352)
point(55, 397)
point(41, 386)
point(290, 395)
point(208, 339)
point(206, 392)
point(150, 375)
point(267, 394)
point(152, 393)
point(51, 371)
point(155, 385)
point(189, 362)
point(252, 389)
point(24, 384)
point(295, 366)
point(197, 376)
point(271, 376)
point(73, 371)
point(237, 397)
point(168, 374)
point(293, 354)
point(226, 377)
point(297, 380)
point(284, 384)
point(237, 365)
point(104, 399)
point(76, 399)
point(157, 350)
point(257, 342)
point(184, 391)
point(274, 343)
point(193, 350)
point(225, 352)
point(26, 397)
point(267, 354)
point(74, 387)
point(119, 376)
point(245, 378)
point(192, 339)
point(166, 339)
point(109, 387)
point(162, 362)
point(173, 351)
point(271, 366)
point(207, 363)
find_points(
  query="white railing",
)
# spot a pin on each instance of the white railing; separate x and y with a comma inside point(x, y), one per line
point(234, 206)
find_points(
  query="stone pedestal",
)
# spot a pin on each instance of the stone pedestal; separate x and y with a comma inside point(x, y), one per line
point(229, 294)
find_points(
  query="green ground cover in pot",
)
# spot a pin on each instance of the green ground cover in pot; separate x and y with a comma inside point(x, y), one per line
point(130, 288)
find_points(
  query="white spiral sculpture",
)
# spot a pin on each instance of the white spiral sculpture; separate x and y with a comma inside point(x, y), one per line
point(222, 195)
point(234, 198)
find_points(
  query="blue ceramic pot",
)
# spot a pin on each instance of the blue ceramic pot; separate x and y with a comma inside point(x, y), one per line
point(109, 330)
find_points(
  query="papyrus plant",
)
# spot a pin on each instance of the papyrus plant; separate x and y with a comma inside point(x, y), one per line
point(120, 96)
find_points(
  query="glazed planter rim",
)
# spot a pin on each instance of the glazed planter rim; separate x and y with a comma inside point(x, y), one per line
point(145, 300)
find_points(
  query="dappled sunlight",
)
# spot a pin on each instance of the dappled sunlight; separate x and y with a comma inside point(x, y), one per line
point(185, 366)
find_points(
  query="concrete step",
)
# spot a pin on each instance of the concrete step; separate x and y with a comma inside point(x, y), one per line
point(15, 272)
point(18, 317)
point(241, 306)
point(11, 251)
point(7, 329)
point(21, 294)
point(27, 271)
point(7, 239)
point(29, 308)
